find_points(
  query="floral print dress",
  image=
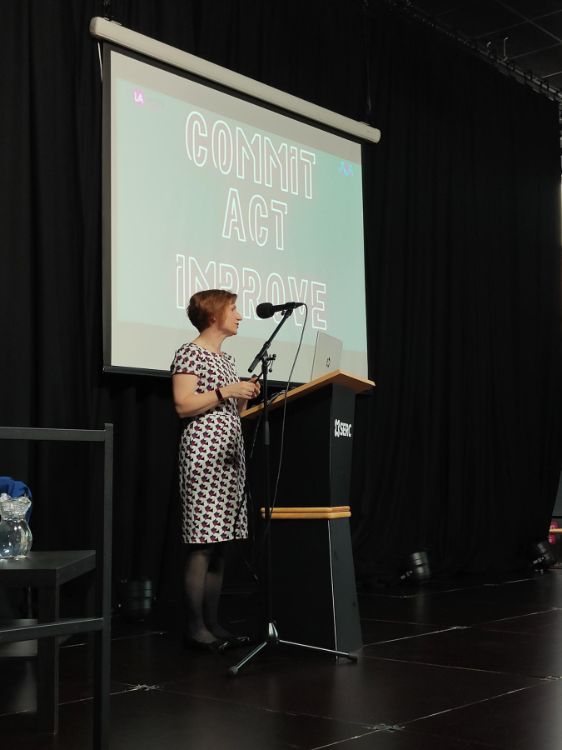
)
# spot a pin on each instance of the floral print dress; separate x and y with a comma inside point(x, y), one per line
point(211, 454)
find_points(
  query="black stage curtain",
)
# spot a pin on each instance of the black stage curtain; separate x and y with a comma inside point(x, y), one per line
point(458, 451)
point(463, 269)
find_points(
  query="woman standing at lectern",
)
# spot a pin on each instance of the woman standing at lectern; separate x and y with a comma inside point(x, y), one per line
point(209, 396)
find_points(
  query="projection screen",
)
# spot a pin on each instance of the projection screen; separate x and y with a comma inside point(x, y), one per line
point(204, 188)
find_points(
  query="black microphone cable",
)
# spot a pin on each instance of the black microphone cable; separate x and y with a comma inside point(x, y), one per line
point(259, 553)
point(247, 498)
point(286, 391)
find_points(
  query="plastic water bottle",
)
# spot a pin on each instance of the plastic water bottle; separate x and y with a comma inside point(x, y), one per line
point(15, 534)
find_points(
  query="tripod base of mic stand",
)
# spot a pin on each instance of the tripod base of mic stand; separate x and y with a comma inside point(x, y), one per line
point(274, 640)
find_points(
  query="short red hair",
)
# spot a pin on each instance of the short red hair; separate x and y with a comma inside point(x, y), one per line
point(208, 304)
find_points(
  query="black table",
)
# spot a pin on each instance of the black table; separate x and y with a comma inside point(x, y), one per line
point(47, 572)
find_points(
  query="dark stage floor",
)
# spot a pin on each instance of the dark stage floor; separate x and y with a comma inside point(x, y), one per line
point(469, 665)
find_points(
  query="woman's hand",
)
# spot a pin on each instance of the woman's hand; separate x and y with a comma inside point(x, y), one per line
point(257, 386)
point(243, 389)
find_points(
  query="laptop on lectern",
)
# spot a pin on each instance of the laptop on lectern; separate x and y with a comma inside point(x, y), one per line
point(327, 355)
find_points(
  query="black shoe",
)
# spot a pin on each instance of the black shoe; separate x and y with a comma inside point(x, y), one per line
point(235, 641)
point(215, 647)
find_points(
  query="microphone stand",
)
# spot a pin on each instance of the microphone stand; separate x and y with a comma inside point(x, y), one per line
point(272, 635)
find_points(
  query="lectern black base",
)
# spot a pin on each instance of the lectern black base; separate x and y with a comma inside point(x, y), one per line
point(314, 583)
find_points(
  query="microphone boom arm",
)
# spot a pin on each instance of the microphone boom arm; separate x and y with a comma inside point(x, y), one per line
point(263, 351)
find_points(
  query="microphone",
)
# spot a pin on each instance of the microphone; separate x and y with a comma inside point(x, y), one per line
point(266, 309)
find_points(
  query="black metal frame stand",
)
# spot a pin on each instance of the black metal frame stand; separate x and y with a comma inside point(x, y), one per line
point(47, 565)
point(272, 636)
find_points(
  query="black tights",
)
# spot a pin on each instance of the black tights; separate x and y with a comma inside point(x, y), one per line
point(204, 569)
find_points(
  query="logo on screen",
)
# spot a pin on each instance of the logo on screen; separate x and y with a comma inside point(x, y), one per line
point(138, 97)
point(346, 169)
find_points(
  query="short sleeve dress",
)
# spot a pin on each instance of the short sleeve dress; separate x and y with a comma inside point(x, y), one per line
point(212, 465)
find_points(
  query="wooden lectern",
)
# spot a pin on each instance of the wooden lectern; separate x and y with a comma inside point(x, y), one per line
point(313, 579)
